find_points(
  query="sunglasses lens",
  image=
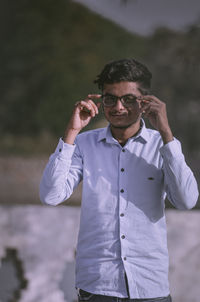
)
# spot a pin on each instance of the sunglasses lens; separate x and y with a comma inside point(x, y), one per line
point(129, 100)
point(109, 101)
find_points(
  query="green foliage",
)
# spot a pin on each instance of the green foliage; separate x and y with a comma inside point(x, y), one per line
point(174, 59)
point(51, 52)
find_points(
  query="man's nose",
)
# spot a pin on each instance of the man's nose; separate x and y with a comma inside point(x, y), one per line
point(119, 105)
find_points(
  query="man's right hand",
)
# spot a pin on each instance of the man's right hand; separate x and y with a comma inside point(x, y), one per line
point(83, 112)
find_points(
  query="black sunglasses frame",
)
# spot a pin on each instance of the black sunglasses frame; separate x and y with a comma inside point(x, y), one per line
point(115, 98)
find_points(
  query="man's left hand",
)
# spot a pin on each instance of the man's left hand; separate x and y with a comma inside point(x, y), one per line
point(155, 111)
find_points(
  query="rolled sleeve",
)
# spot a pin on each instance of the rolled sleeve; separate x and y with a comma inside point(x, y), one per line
point(64, 150)
point(172, 150)
point(57, 184)
point(180, 183)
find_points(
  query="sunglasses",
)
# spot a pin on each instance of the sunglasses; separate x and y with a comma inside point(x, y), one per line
point(127, 100)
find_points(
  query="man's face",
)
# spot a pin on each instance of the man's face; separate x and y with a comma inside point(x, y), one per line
point(119, 115)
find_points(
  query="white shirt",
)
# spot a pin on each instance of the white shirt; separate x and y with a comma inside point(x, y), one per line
point(122, 224)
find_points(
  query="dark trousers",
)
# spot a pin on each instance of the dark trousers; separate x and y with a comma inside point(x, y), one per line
point(88, 297)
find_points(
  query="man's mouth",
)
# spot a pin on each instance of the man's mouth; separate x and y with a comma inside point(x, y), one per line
point(118, 114)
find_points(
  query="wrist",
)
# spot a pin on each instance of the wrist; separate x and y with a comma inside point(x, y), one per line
point(70, 135)
point(166, 135)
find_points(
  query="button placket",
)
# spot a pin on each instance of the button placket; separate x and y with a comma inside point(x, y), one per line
point(123, 247)
point(122, 182)
point(122, 202)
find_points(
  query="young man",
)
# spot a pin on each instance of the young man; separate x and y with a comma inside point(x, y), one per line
point(127, 171)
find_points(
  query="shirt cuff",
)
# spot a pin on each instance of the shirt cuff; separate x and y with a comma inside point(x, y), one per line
point(64, 150)
point(171, 150)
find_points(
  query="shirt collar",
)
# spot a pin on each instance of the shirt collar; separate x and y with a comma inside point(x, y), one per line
point(143, 133)
point(106, 134)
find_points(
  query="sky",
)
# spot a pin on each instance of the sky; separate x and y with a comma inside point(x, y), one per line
point(143, 16)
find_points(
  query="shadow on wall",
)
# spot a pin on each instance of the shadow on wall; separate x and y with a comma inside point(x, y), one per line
point(12, 279)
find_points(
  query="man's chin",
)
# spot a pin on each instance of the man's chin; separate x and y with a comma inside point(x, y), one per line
point(118, 126)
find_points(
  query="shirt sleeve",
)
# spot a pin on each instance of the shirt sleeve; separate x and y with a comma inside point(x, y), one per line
point(62, 174)
point(180, 183)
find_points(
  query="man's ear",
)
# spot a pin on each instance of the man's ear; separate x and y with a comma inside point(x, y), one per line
point(141, 105)
point(139, 101)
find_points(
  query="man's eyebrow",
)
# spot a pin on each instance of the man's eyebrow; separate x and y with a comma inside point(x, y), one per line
point(110, 94)
point(128, 94)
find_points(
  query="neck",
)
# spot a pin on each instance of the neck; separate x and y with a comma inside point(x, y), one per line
point(123, 134)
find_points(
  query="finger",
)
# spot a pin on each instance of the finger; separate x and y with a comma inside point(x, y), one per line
point(152, 109)
point(143, 103)
point(86, 107)
point(93, 106)
point(151, 104)
point(151, 98)
point(147, 107)
point(147, 112)
point(94, 96)
point(144, 106)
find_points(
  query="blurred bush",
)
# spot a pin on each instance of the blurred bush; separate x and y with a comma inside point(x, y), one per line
point(174, 59)
point(52, 51)
point(50, 54)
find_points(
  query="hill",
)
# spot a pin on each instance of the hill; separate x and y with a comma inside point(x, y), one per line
point(50, 54)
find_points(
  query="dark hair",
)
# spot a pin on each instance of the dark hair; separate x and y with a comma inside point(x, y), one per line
point(125, 70)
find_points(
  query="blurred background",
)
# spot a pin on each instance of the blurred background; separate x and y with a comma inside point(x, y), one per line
point(50, 54)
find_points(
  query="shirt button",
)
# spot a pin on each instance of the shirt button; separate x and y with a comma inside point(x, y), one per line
point(122, 214)
point(123, 150)
point(122, 236)
point(125, 258)
point(122, 190)
point(122, 169)
point(60, 150)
